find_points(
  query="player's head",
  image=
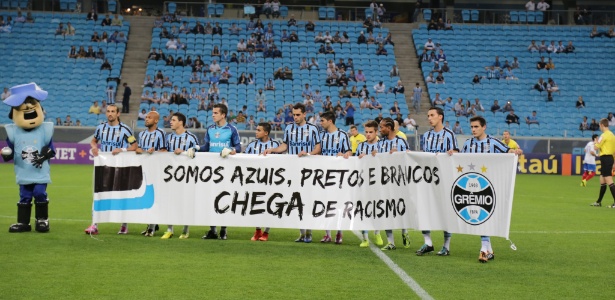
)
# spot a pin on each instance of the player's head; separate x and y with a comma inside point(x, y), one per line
point(262, 130)
point(299, 113)
point(371, 131)
point(151, 119)
point(478, 126)
point(178, 121)
point(353, 130)
point(113, 114)
point(327, 119)
point(435, 116)
point(604, 124)
point(387, 125)
point(506, 135)
point(594, 138)
point(219, 112)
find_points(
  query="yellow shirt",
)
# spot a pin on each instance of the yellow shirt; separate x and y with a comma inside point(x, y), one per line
point(511, 144)
point(402, 135)
point(606, 143)
point(94, 110)
point(355, 141)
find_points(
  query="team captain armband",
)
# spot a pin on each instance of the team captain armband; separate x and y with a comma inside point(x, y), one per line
point(131, 140)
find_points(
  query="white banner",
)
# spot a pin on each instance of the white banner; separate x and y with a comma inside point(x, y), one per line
point(462, 193)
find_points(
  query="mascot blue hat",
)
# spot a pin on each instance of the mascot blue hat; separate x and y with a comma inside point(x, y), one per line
point(19, 93)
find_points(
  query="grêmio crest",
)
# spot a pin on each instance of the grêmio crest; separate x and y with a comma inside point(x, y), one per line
point(473, 198)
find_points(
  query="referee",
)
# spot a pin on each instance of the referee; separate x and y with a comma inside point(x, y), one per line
point(606, 148)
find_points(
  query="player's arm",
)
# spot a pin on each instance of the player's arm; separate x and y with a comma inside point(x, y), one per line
point(235, 141)
point(94, 146)
point(279, 149)
point(317, 149)
point(205, 146)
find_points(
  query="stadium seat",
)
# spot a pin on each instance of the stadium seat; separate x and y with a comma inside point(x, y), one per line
point(475, 15)
point(531, 17)
point(63, 4)
point(219, 9)
point(111, 5)
point(171, 7)
point(14, 4)
point(5, 4)
point(522, 17)
point(514, 17)
point(283, 11)
point(539, 16)
point(23, 4)
point(427, 14)
point(465, 14)
point(369, 13)
point(211, 9)
point(331, 13)
point(322, 13)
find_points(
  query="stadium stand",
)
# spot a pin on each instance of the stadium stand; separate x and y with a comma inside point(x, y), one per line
point(33, 52)
point(375, 67)
point(471, 48)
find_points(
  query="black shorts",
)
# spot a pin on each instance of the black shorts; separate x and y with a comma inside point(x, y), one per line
point(606, 165)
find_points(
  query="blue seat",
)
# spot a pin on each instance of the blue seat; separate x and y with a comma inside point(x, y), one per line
point(322, 13)
point(427, 14)
point(369, 13)
point(171, 7)
point(63, 4)
point(331, 13)
point(14, 4)
point(111, 5)
point(475, 15)
point(531, 17)
point(465, 14)
point(23, 4)
point(284, 11)
point(5, 4)
point(514, 17)
point(522, 17)
point(539, 16)
point(211, 9)
point(219, 9)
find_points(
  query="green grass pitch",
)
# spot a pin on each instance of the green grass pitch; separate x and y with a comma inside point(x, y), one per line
point(565, 250)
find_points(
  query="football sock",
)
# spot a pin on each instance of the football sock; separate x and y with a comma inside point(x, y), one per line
point(427, 237)
point(340, 232)
point(584, 175)
point(302, 231)
point(186, 229)
point(390, 238)
point(404, 231)
point(267, 229)
point(447, 240)
point(328, 232)
point(485, 243)
point(258, 228)
point(365, 237)
point(376, 232)
point(308, 231)
point(590, 175)
point(612, 188)
point(170, 229)
point(213, 229)
point(151, 227)
point(125, 225)
point(602, 191)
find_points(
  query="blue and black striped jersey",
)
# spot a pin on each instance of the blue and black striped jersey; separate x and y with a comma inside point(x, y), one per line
point(112, 137)
point(301, 138)
point(152, 139)
point(441, 141)
point(332, 143)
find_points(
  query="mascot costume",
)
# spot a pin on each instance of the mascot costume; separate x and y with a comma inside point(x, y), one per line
point(30, 146)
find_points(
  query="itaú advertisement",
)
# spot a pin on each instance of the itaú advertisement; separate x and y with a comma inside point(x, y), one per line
point(67, 153)
point(562, 164)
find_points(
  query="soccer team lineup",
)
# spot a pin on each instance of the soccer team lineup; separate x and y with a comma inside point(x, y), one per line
point(300, 139)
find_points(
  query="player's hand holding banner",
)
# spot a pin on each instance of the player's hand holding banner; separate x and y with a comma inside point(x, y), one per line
point(460, 193)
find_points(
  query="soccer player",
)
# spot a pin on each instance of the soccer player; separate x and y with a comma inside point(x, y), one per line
point(606, 147)
point(115, 137)
point(437, 140)
point(219, 136)
point(355, 138)
point(302, 139)
point(369, 146)
point(390, 143)
point(148, 141)
point(510, 143)
point(589, 161)
point(333, 142)
point(260, 144)
point(178, 141)
point(481, 142)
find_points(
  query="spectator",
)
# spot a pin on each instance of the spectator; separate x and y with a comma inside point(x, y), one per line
point(293, 37)
point(94, 109)
point(532, 47)
point(457, 128)
point(364, 104)
point(399, 88)
point(5, 94)
point(198, 28)
point(515, 64)
point(541, 85)
point(512, 118)
point(116, 21)
point(381, 50)
point(105, 65)
point(495, 107)
point(142, 115)
point(551, 88)
point(509, 74)
point(394, 110)
point(507, 107)
point(580, 103)
point(569, 48)
point(448, 25)
point(374, 104)
point(459, 108)
point(432, 25)
point(437, 100)
point(611, 119)
point(541, 64)
point(72, 53)
point(59, 121)
point(270, 85)
point(360, 77)
point(349, 111)
point(429, 45)
point(100, 54)
point(478, 106)
point(409, 123)
point(560, 48)
point(291, 21)
point(67, 121)
point(121, 38)
point(364, 93)
point(217, 30)
point(440, 78)
point(379, 88)
point(445, 67)
point(593, 126)
point(106, 21)
point(309, 26)
point(542, 6)
point(584, 124)
point(533, 119)
point(543, 47)
point(530, 5)
point(389, 40)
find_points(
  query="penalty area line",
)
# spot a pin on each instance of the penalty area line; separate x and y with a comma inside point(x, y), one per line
point(409, 281)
